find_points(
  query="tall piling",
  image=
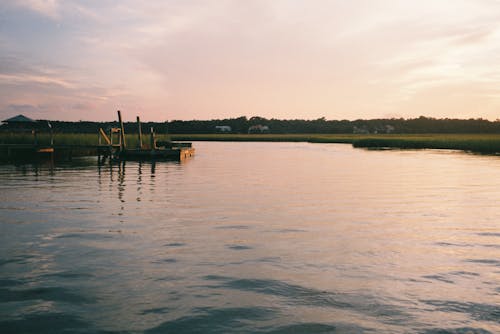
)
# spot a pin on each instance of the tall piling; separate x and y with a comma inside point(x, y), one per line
point(123, 145)
point(152, 139)
point(139, 133)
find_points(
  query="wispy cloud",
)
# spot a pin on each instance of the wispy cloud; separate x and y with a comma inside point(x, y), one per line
point(48, 8)
point(17, 71)
point(9, 79)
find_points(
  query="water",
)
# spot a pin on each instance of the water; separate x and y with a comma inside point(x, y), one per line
point(254, 238)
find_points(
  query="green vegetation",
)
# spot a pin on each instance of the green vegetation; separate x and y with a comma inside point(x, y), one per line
point(265, 137)
point(480, 143)
point(278, 126)
point(63, 139)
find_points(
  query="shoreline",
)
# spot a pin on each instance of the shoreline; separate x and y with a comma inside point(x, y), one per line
point(474, 143)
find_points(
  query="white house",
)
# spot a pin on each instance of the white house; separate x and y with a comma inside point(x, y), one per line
point(258, 129)
point(223, 128)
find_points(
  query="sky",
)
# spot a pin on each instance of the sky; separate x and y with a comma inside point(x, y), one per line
point(287, 59)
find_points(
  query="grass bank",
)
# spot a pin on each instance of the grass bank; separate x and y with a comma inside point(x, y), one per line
point(266, 137)
point(69, 139)
point(479, 143)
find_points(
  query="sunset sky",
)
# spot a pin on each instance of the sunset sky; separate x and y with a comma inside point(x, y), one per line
point(286, 59)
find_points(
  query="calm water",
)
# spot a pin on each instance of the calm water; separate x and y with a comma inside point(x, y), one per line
point(254, 238)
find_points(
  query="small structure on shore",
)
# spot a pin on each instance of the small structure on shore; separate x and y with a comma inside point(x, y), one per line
point(19, 121)
point(23, 124)
point(223, 129)
point(259, 128)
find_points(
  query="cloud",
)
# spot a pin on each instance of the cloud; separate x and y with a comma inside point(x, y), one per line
point(18, 71)
point(22, 108)
point(48, 8)
point(6, 79)
point(285, 59)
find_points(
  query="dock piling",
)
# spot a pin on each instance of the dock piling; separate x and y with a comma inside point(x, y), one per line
point(35, 137)
point(139, 133)
point(51, 134)
point(123, 145)
point(153, 139)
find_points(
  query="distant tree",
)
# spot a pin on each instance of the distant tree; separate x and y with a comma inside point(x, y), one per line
point(241, 124)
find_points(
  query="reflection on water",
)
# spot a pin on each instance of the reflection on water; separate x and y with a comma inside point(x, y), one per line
point(253, 238)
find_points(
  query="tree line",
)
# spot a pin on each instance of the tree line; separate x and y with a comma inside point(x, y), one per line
point(296, 126)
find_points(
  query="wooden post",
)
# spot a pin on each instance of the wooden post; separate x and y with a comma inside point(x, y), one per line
point(153, 167)
point(51, 134)
point(139, 133)
point(35, 139)
point(102, 135)
point(152, 139)
point(123, 145)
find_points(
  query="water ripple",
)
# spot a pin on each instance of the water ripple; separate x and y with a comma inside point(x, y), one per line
point(238, 247)
point(485, 261)
point(215, 320)
point(439, 278)
point(44, 293)
point(46, 323)
point(489, 234)
point(474, 310)
point(296, 294)
point(463, 330)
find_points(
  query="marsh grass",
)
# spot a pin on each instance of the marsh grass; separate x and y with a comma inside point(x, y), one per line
point(480, 143)
point(68, 139)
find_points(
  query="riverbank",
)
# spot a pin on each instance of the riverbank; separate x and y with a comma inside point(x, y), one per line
point(477, 143)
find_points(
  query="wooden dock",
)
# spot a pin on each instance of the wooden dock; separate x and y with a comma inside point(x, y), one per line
point(26, 151)
point(30, 152)
point(110, 146)
point(180, 153)
point(156, 151)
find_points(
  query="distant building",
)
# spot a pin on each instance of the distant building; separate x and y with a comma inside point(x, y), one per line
point(375, 130)
point(19, 122)
point(19, 119)
point(361, 130)
point(389, 128)
point(384, 129)
point(258, 129)
point(223, 128)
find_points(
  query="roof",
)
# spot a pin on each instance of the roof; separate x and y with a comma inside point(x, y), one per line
point(19, 119)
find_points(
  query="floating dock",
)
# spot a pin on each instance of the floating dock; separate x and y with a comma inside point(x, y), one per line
point(25, 151)
point(165, 150)
point(173, 153)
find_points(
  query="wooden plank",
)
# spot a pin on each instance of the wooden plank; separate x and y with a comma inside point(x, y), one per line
point(45, 150)
point(103, 135)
